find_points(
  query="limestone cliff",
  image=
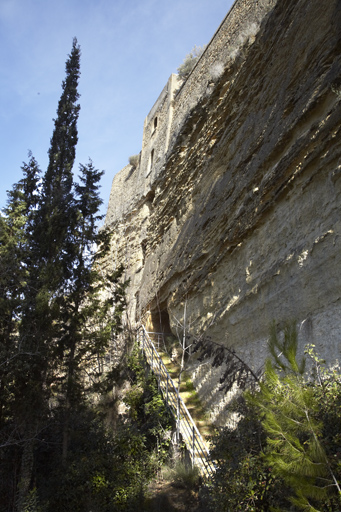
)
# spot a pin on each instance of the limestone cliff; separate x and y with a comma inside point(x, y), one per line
point(235, 205)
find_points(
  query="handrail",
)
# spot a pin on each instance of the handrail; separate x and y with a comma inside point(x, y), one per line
point(196, 447)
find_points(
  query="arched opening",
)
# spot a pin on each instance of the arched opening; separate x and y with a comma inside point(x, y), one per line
point(158, 320)
point(150, 198)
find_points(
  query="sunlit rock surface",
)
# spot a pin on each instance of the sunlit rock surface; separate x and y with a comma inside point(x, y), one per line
point(235, 207)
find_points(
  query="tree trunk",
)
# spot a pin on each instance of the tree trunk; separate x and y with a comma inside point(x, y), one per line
point(25, 475)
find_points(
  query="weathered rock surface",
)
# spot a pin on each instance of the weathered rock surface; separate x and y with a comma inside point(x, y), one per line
point(242, 218)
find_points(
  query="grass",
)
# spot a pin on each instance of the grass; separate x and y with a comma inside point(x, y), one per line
point(182, 475)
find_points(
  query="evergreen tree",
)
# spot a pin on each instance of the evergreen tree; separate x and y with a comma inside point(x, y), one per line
point(56, 213)
point(48, 261)
point(15, 238)
point(51, 248)
point(87, 311)
point(58, 311)
point(290, 410)
point(12, 276)
point(17, 356)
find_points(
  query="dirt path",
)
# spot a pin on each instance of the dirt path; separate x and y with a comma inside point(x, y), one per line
point(165, 497)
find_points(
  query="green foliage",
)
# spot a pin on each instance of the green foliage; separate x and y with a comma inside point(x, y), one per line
point(182, 475)
point(243, 480)
point(59, 311)
point(105, 469)
point(294, 424)
point(32, 502)
point(189, 386)
point(284, 453)
point(147, 408)
point(15, 227)
point(190, 61)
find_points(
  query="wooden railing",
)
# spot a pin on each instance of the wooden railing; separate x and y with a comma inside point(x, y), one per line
point(195, 444)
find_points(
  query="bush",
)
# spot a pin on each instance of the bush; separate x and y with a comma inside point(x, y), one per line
point(182, 475)
point(134, 160)
point(190, 61)
point(105, 470)
point(243, 480)
point(285, 452)
point(297, 412)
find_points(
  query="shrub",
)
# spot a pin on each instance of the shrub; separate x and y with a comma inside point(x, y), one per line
point(106, 469)
point(297, 412)
point(182, 475)
point(243, 480)
point(284, 453)
point(134, 160)
point(190, 61)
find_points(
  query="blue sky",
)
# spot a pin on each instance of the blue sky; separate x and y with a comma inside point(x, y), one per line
point(129, 49)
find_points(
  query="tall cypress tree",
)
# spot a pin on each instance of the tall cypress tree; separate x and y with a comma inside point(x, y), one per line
point(62, 311)
point(49, 261)
point(52, 220)
point(57, 208)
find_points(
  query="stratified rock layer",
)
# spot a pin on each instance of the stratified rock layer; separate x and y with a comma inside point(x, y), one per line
point(242, 220)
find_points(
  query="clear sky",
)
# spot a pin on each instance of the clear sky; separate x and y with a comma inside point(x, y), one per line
point(129, 49)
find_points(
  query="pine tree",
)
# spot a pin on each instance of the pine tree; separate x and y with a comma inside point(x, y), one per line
point(289, 408)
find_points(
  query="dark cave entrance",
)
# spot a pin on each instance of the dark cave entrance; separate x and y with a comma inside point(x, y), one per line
point(158, 320)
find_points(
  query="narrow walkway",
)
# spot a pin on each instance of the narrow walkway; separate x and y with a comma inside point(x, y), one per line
point(170, 354)
point(163, 495)
point(191, 436)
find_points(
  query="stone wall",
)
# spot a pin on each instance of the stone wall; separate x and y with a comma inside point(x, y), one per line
point(237, 30)
point(176, 101)
point(242, 221)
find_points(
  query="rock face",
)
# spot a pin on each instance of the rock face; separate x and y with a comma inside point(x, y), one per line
point(235, 207)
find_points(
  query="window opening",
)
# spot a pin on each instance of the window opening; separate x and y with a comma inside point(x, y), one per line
point(155, 125)
point(151, 160)
point(150, 163)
